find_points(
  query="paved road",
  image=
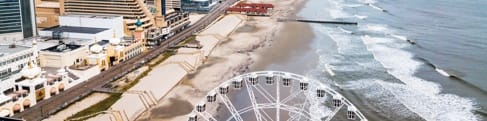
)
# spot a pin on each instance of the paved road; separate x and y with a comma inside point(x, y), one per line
point(49, 106)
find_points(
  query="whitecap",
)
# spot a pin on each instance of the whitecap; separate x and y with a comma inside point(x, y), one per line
point(399, 37)
point(352, 5)
point(337, 13)
point(336, 10)
point(442, 72)
point(438, 107)
point(345, 31)
point(360, 17)
point(358, 84)
point(340, 40)
point(368, 1)
point(371, 41)
point(376, 7)
point(420, 96)
point(329, 69)
point(375, 28)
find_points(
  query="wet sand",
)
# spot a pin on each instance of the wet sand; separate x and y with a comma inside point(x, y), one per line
point(175, 107)
point(256, 44)
point(292, 43)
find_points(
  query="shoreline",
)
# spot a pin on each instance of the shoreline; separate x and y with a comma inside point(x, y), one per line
point(293, 39)
point(241, 50)
point(227, 53)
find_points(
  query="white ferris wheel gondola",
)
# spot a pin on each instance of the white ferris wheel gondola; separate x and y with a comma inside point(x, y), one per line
point(263, 97)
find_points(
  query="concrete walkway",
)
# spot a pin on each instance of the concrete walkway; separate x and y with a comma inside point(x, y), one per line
point(168, 74)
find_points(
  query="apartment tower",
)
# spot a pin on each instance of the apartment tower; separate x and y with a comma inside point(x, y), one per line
point(17, 19)
point(131, 10)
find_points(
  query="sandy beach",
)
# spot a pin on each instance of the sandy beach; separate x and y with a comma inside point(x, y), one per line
point(78, 106)
point(163, 77)
point(232, 45)
point(253, 45)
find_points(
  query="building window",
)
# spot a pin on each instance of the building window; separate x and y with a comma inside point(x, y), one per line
point(26, 88)
point(11, 13)
point(27, 26)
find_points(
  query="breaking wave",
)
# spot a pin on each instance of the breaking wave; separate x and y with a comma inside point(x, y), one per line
point(420, 96)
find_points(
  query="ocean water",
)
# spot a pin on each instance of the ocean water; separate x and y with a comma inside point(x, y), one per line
point(406, 59)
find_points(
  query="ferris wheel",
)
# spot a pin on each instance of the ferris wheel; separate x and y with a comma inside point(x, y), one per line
point(274, 96)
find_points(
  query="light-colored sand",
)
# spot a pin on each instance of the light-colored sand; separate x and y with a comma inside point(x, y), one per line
point(223, 27)
point(232, 56)
point(207, 67)
point(78, 106)
point(168, 74)
point(188, 61)
point(209, 42)
point(160, 80)
point(129, 101)
point(93, 98)
point(145, 93)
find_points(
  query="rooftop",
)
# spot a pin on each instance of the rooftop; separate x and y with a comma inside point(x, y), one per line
point(61, 48)
point(50, 70)
point(8, 49)
point(4, 98)
point(73, 29)
point(49, 42)
point(33, 82)
point(103, 42)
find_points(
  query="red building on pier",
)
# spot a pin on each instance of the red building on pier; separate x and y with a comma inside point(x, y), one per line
point(252, 9)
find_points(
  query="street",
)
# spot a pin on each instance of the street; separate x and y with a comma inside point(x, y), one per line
point(56, 103)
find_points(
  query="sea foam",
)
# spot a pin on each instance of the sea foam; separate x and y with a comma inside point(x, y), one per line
point(374, 28)
point(376, 7)
point(368, 1)
point(420, 96)
point(360, 17)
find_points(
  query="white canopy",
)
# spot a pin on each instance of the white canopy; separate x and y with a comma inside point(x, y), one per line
point(4, 113)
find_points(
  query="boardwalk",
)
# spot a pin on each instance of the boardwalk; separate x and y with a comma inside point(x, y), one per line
point(49, 106)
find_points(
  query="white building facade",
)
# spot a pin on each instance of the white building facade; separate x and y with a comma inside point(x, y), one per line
point(12, 60)
point(114, 23)
point(86, 27)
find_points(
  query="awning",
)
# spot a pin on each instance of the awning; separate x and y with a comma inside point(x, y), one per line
point(4, 113)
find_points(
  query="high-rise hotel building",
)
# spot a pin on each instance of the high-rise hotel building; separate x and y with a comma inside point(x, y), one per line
point(17, 19)
point(131, 10)
point(157, 20)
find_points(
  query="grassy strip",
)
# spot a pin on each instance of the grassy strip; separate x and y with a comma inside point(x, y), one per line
point(187, 40)
point(159, 61)
point(114, 97)
point(100, 106)
point(143, 74)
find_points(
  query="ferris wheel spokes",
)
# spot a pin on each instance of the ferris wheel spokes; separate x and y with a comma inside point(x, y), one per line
point(231, 108)
point(253, 81)
point(267, 92)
